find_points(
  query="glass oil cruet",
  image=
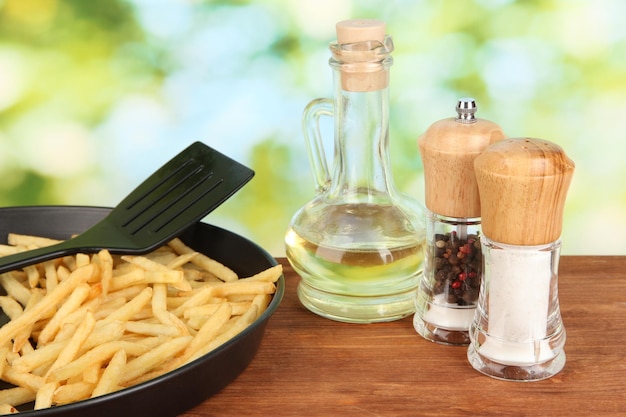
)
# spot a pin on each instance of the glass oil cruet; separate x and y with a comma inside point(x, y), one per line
point(358, 244)
point(447, 296)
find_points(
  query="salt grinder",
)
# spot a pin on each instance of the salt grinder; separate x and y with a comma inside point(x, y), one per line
point(517, 333)
point(447, 295)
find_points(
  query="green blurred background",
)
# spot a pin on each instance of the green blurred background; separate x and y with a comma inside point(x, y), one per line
point(95, 95)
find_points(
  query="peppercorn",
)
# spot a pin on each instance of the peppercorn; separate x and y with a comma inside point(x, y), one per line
point(457, 267)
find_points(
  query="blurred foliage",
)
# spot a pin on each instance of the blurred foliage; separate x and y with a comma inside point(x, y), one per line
point(96, 95)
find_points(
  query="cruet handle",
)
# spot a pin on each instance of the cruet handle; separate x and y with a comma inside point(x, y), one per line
point(313, 140)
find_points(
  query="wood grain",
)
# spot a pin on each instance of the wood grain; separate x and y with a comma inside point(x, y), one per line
point(311, 366)
point(523, 184)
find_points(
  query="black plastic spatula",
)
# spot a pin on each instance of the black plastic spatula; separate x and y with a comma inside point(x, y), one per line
point(180, 193)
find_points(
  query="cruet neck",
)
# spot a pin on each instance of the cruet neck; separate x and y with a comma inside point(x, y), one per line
point(362, 142)
point(364, 66)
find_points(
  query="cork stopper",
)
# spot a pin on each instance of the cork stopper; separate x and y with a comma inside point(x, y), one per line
point(361, 47)
point(448, 149)
point(360, 30)
point(523, 183)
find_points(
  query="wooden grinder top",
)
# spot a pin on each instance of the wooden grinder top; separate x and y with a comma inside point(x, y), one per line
point(523, 183)
point(448, 149)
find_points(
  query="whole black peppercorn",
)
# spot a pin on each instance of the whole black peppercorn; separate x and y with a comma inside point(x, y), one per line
point(457, 267)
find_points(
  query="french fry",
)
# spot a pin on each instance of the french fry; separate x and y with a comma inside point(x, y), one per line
point(76, 298)
point(17, 395)
point(211, 265)
point(155, 273)
point(21, 338)
point(33, 275)
point(109, 382)
point(128, 279)
point(208, 331)
point(238, 287)
point(4, 352)
point(106, 267)
point(63, 272)
point(73, 392)
point(175, 278)
point(52, 278)
point(153, 357)
point(16, 239)
point(181, 260)
point(91, 374)
point(269, 275)
point(207, 310)
point(104, 310)
point(82, 260)
point(145, 263)
point(151, 329)
point(70, 263)
point(261, 301)
point(6, 250)
point(241, 323)
point(69, 326)
point(11, 307)
point(127, 311)
point(148, 342)
point(7, 409)
point(200, 297)
point(12, 356)
point(126, 294)
point(39, 357)
point(14, 289)
point(44, 395)
point(98, 354)
point(22, 379)
point(159, 309)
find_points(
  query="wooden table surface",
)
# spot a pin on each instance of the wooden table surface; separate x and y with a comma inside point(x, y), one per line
point(311, 366)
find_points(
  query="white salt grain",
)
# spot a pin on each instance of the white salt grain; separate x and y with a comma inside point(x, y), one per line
point(449, 316)
point(518, 304)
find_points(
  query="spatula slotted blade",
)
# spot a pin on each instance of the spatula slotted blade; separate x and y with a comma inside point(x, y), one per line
point(183, 191)
point(180, 193)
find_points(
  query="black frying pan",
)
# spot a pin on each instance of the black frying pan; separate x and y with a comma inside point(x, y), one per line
point(185, 387)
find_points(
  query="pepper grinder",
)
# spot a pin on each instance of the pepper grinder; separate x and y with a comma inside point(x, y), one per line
point(447, 295)
point(517, 333)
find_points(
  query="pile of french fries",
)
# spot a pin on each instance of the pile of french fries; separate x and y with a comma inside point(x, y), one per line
point(87, 325)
